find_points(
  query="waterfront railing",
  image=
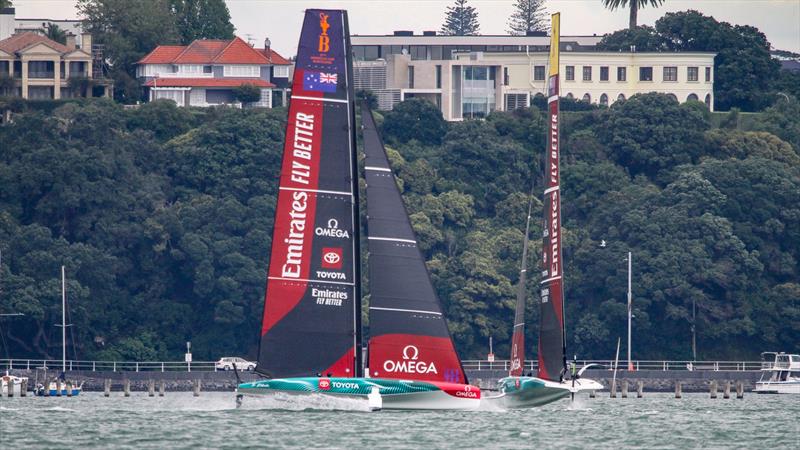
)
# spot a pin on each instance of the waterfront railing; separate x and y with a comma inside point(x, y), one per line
point(469, 364)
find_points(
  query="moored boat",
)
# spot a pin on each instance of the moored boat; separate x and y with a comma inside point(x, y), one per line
point(52, 390)
point(11, 380)
point(780, 374)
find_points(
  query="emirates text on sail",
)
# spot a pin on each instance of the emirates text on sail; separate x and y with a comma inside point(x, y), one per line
point(301, 173)
point(554, 270)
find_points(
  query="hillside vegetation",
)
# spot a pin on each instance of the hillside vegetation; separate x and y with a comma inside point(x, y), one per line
point(163, 217)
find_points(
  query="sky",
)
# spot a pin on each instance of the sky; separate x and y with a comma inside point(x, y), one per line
point(280, 20)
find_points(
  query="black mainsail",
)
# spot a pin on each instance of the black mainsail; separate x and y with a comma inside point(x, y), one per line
point(312, 307)
point(409, 338)
point(518, 337)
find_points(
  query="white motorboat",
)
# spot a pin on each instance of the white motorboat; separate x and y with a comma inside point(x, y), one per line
point(7, 380)
point(780, 374)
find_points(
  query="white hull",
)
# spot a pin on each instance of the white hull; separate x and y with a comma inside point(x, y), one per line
point(778, 387)
point(535, 392)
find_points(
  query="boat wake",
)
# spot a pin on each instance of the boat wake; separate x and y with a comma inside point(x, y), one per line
point(309, 402)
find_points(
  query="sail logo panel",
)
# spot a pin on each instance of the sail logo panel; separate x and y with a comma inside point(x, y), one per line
point(308, 325)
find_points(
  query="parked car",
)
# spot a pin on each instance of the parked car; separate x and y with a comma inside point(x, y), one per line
point(227, 363)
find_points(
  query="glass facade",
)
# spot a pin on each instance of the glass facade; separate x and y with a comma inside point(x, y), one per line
point(478, 97)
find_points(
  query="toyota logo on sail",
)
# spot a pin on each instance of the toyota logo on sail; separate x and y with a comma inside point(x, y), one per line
point(332, 258)
point(410, 363)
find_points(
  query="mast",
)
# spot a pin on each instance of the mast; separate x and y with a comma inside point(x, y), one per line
point(63, 320)
point(518, 337)
point(312, 303)
point(354, 188)
point(409, 338)
point(552, 338)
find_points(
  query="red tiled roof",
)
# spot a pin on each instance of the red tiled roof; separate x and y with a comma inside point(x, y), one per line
point(275, 58)
point(240, 52)
point(207, 82)
point(200, 52)
point(163, 54)
point(208, 51)
point(20, 41)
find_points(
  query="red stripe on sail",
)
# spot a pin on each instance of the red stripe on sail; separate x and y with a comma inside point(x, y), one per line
point(343, 367)
point(415, 357)
point(293, 234)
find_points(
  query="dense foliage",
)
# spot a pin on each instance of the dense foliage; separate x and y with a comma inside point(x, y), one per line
point(163, 218)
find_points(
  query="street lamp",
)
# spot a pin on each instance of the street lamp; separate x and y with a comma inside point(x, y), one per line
point(604, 244)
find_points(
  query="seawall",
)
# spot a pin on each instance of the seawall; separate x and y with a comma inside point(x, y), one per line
point(653, 380)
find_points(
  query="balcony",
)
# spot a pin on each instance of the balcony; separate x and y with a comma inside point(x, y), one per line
point(42, 74)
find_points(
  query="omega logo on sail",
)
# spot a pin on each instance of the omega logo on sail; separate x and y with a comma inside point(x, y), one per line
point(332, 230)
point(410, 363)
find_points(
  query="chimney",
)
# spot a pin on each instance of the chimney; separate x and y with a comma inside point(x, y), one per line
point(429, 33)
point(86, 42)
point(70, 41)
point(267, 45)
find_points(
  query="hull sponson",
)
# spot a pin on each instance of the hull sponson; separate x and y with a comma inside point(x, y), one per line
point(309, 324)
point(528, 392)
point(396, 394)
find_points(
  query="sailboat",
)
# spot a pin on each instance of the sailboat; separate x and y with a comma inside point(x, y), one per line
point(53, 387)
point(553, 380)
point(311, 334)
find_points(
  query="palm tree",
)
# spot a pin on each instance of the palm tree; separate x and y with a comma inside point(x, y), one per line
point(634, 6)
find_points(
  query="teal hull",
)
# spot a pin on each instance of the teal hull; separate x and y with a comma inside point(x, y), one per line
point(395, 394)
point(526, 392)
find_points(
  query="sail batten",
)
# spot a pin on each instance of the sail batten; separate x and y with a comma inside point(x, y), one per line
point(552, 339)
point(312, 302)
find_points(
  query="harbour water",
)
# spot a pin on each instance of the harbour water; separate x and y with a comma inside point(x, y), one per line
point(212, 421)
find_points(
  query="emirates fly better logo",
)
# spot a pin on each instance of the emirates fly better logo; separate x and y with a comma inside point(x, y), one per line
point(410, 363)
point(331, 258)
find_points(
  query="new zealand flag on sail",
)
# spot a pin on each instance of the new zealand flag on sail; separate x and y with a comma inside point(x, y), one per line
point(320, 81)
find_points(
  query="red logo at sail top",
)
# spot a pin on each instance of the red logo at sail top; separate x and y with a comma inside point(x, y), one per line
point(332, 258)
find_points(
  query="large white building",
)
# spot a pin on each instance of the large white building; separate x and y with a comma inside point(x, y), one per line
point(470, 76)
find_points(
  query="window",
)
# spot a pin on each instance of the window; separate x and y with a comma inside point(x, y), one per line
point(40, 92)
point(207, 69)
point(570, 73)
point(621, 97)
point(587, 73)
point(604, 73)
point(411, 77)
point(438, 77)
point(692, 74)
point(673, 97)
point(645, 74)
point(604, 100)
point(587, 98)
point(708, 100)
point(41, 69)
point(538, 73)
point(280, 71)
point(570, 96)
point(670, 73)
point(516, 101)
point(77, 69)
point(505, 76)
point(708, 74)
point(419, 52)
point(692, 97)
point(237, 70)
point(622, 73)
point(478, 92)
point(436, 52)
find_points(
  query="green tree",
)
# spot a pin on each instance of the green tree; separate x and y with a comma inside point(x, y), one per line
point(634, 6)
point(652, 132)
point(415, 119)
point(247, 93)
point(202, 19)
point(528, 15)
point(781, 120)
point(460, 20)
point(644, 39)
point(55, 33)
point(129, 30)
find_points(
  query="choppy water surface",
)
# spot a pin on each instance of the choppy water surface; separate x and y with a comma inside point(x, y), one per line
point(211, 421)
